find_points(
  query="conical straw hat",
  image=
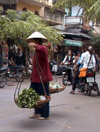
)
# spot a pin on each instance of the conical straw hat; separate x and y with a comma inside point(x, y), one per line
point(37, 35)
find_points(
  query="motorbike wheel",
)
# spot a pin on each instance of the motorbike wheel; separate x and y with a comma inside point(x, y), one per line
point(79, 89)
point(65, 79)
point(20, 77)
point(3, 81)
point(88, 91)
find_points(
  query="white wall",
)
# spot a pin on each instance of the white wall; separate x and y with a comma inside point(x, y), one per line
point(75, 11)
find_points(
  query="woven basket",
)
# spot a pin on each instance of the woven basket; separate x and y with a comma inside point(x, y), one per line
point(51, 90)
point(40, 103)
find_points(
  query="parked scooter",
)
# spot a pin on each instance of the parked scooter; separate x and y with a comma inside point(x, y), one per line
point(89, 83)
point(3, 77)
point(16, 72)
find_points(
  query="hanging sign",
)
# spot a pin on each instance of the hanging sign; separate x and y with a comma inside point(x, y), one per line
point(73, 43)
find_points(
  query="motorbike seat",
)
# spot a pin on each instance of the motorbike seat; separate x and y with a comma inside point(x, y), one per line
point(16, 67)
point(89, 70)
point(3, 69)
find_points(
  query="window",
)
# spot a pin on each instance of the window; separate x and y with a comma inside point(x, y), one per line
point(37, 13)
point(24, 9)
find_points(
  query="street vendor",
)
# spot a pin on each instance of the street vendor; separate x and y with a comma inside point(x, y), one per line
point(41, 74)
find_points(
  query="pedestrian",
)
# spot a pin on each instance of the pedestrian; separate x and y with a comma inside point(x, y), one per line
point(41, 71)
point(11, 62)
point(68, 61)
point(77, 57)
point(76, 78)
point(1, 63)
point(19, 57)
point(97, 62)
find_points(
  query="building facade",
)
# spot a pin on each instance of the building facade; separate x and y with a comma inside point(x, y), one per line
point(76, 29)
point(42, 8)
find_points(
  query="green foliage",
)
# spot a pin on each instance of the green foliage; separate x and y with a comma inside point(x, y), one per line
point(28, 98)
point(95, 40)
point(25, 15)
point(3, 22)
point(12, 15)
point(90, 8)
point(20, 27)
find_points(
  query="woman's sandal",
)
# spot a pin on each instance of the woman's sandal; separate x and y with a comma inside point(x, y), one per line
point(72, 92)
point(98, 93)
point(34, 116)
point(42, 118)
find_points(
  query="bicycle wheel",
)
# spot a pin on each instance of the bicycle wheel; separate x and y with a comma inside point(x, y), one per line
point(3, 81)
point(65, 79)
point(20, 77)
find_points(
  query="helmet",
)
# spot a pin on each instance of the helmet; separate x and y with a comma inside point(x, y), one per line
point(90, 48)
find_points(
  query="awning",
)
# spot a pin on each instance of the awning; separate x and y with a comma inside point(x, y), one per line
point(73, 43)
point(79, 34)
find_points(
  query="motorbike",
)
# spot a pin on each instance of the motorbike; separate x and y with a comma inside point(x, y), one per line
point(3, 77)
point(89, 83)
point(65, 75)
point(29, 70)
point(53, 66)
point(16, 72)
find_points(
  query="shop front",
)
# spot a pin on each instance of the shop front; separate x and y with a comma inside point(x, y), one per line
point(74, 45)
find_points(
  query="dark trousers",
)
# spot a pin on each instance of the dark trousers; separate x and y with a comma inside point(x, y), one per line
point(69, 75)
point(75, 80)
point(44, 110)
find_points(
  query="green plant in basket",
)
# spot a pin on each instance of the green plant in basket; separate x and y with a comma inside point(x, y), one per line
point(28, 98)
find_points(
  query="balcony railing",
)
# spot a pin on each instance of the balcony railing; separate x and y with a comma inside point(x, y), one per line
point(8, 2)
point(72, 20)
point(44, 1)
point(52, 21)
point(40, 3)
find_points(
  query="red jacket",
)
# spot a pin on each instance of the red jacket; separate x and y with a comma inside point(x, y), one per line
point(41, 65)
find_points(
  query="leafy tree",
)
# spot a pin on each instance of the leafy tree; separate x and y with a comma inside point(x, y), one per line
point(90, 8)
point(12, 15)
point(95, 39)
point(20, 27)
point(3, 22)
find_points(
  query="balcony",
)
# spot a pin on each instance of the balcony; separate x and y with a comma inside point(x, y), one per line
point(40, 3)
point(8, 2)
point(53, 18)
point(72, 20)
point(51, 21)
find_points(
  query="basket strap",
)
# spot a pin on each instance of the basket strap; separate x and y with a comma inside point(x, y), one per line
point(17, 90)
point(38, 66)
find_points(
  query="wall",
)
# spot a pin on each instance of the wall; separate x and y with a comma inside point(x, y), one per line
point(75, 11)
point(29, 7)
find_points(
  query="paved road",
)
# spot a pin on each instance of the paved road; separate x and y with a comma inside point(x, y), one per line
point(79, 112)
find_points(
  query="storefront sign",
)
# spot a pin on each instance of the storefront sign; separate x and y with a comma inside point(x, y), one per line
point(73, 43)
